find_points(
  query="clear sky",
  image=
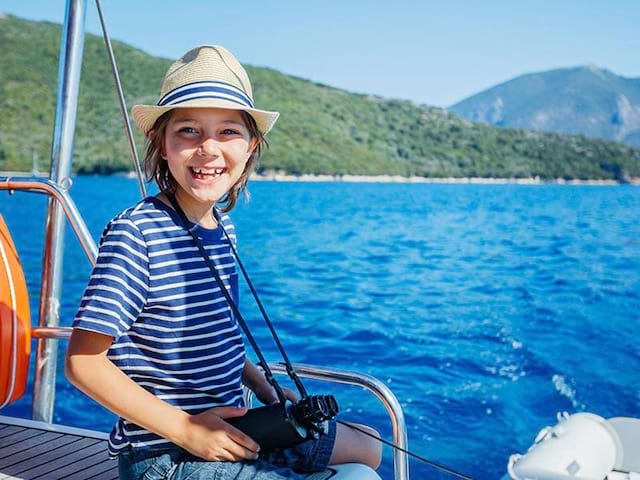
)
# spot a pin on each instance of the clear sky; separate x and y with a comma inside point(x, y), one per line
point(432, 52)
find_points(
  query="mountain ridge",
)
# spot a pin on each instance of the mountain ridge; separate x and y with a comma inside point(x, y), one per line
point(585, 99)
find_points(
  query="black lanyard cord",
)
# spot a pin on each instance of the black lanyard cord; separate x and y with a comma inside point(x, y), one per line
point(290, 370)
point(393, 445)
point(267, 371)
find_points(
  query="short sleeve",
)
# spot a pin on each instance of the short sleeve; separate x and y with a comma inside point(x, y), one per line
point(229, 229)
point(117, 289)
point(230, 234)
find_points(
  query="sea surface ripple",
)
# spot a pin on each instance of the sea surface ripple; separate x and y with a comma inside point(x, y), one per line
point(487, 309)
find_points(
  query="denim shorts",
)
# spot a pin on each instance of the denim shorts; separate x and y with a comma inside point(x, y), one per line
point(175, 463)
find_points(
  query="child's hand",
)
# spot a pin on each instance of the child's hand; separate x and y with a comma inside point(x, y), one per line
point(209, 437)
point(254, 378)
point(267, 394)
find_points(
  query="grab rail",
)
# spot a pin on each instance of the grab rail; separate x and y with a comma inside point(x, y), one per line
point(380, 390)
point(51, 188)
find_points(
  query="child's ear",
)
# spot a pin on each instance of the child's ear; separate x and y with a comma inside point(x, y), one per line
point(253, 145)
point(150, 135)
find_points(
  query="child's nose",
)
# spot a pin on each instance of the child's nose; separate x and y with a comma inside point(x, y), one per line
point(209, 147)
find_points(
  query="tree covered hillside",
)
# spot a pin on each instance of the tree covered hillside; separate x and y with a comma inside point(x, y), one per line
point(322, 130)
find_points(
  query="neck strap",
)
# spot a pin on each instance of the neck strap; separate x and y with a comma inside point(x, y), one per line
point(289, 367)
point(241, 321)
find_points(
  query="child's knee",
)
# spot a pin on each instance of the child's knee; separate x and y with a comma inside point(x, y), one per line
point(373, 448)
point(353, 446)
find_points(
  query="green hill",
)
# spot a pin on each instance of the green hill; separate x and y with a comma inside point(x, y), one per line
point(322, 130)
point(588, 100)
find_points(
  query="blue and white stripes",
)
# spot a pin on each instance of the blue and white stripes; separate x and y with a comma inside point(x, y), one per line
point(173, 331)
point(199, 90)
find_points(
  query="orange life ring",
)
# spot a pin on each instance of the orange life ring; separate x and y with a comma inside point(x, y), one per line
point(15, 322)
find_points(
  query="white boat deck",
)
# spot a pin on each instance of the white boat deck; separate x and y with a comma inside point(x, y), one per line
point(32, 450)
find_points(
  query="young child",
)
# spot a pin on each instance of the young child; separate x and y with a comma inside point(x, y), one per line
point(154, 339)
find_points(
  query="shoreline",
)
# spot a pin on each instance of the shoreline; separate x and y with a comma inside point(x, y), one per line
point(282, 177)
point(311, 178)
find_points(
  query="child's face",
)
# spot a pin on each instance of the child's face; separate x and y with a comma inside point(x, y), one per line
point(206, 150)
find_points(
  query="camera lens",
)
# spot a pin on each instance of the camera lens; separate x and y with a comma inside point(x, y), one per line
point(321, 410)
point(332, 406)
point(315, 409)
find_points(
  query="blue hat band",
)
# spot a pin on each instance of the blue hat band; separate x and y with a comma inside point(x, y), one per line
point(200, 90)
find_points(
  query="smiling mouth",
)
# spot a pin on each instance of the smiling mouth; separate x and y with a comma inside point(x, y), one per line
point(202, 173)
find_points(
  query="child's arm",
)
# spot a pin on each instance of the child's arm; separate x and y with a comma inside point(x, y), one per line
point(254, 379)
point(205, 435)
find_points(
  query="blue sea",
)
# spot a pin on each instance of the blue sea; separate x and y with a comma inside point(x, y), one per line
point(486, 309)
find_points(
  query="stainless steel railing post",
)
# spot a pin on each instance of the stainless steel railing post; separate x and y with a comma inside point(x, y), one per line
point(380, 390)
point(69, 68)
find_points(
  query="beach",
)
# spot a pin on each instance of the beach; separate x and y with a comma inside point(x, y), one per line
point(285, 177)
point(311, 178)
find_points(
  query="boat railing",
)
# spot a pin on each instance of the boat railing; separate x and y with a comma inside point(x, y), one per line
point(61, 194)
point(47, 330)
point(377, 388)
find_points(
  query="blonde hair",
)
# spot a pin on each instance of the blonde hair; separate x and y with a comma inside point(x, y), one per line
point(156, 168)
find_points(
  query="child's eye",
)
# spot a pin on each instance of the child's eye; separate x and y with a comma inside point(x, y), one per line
point(188, 130)
point(230, 131)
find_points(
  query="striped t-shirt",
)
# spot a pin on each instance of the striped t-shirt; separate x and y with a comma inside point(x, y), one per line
point(174, 333)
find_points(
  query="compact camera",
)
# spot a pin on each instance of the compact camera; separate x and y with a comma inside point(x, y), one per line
point(283, 425)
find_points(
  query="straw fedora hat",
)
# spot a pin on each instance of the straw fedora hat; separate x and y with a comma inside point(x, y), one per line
point(206, 76)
